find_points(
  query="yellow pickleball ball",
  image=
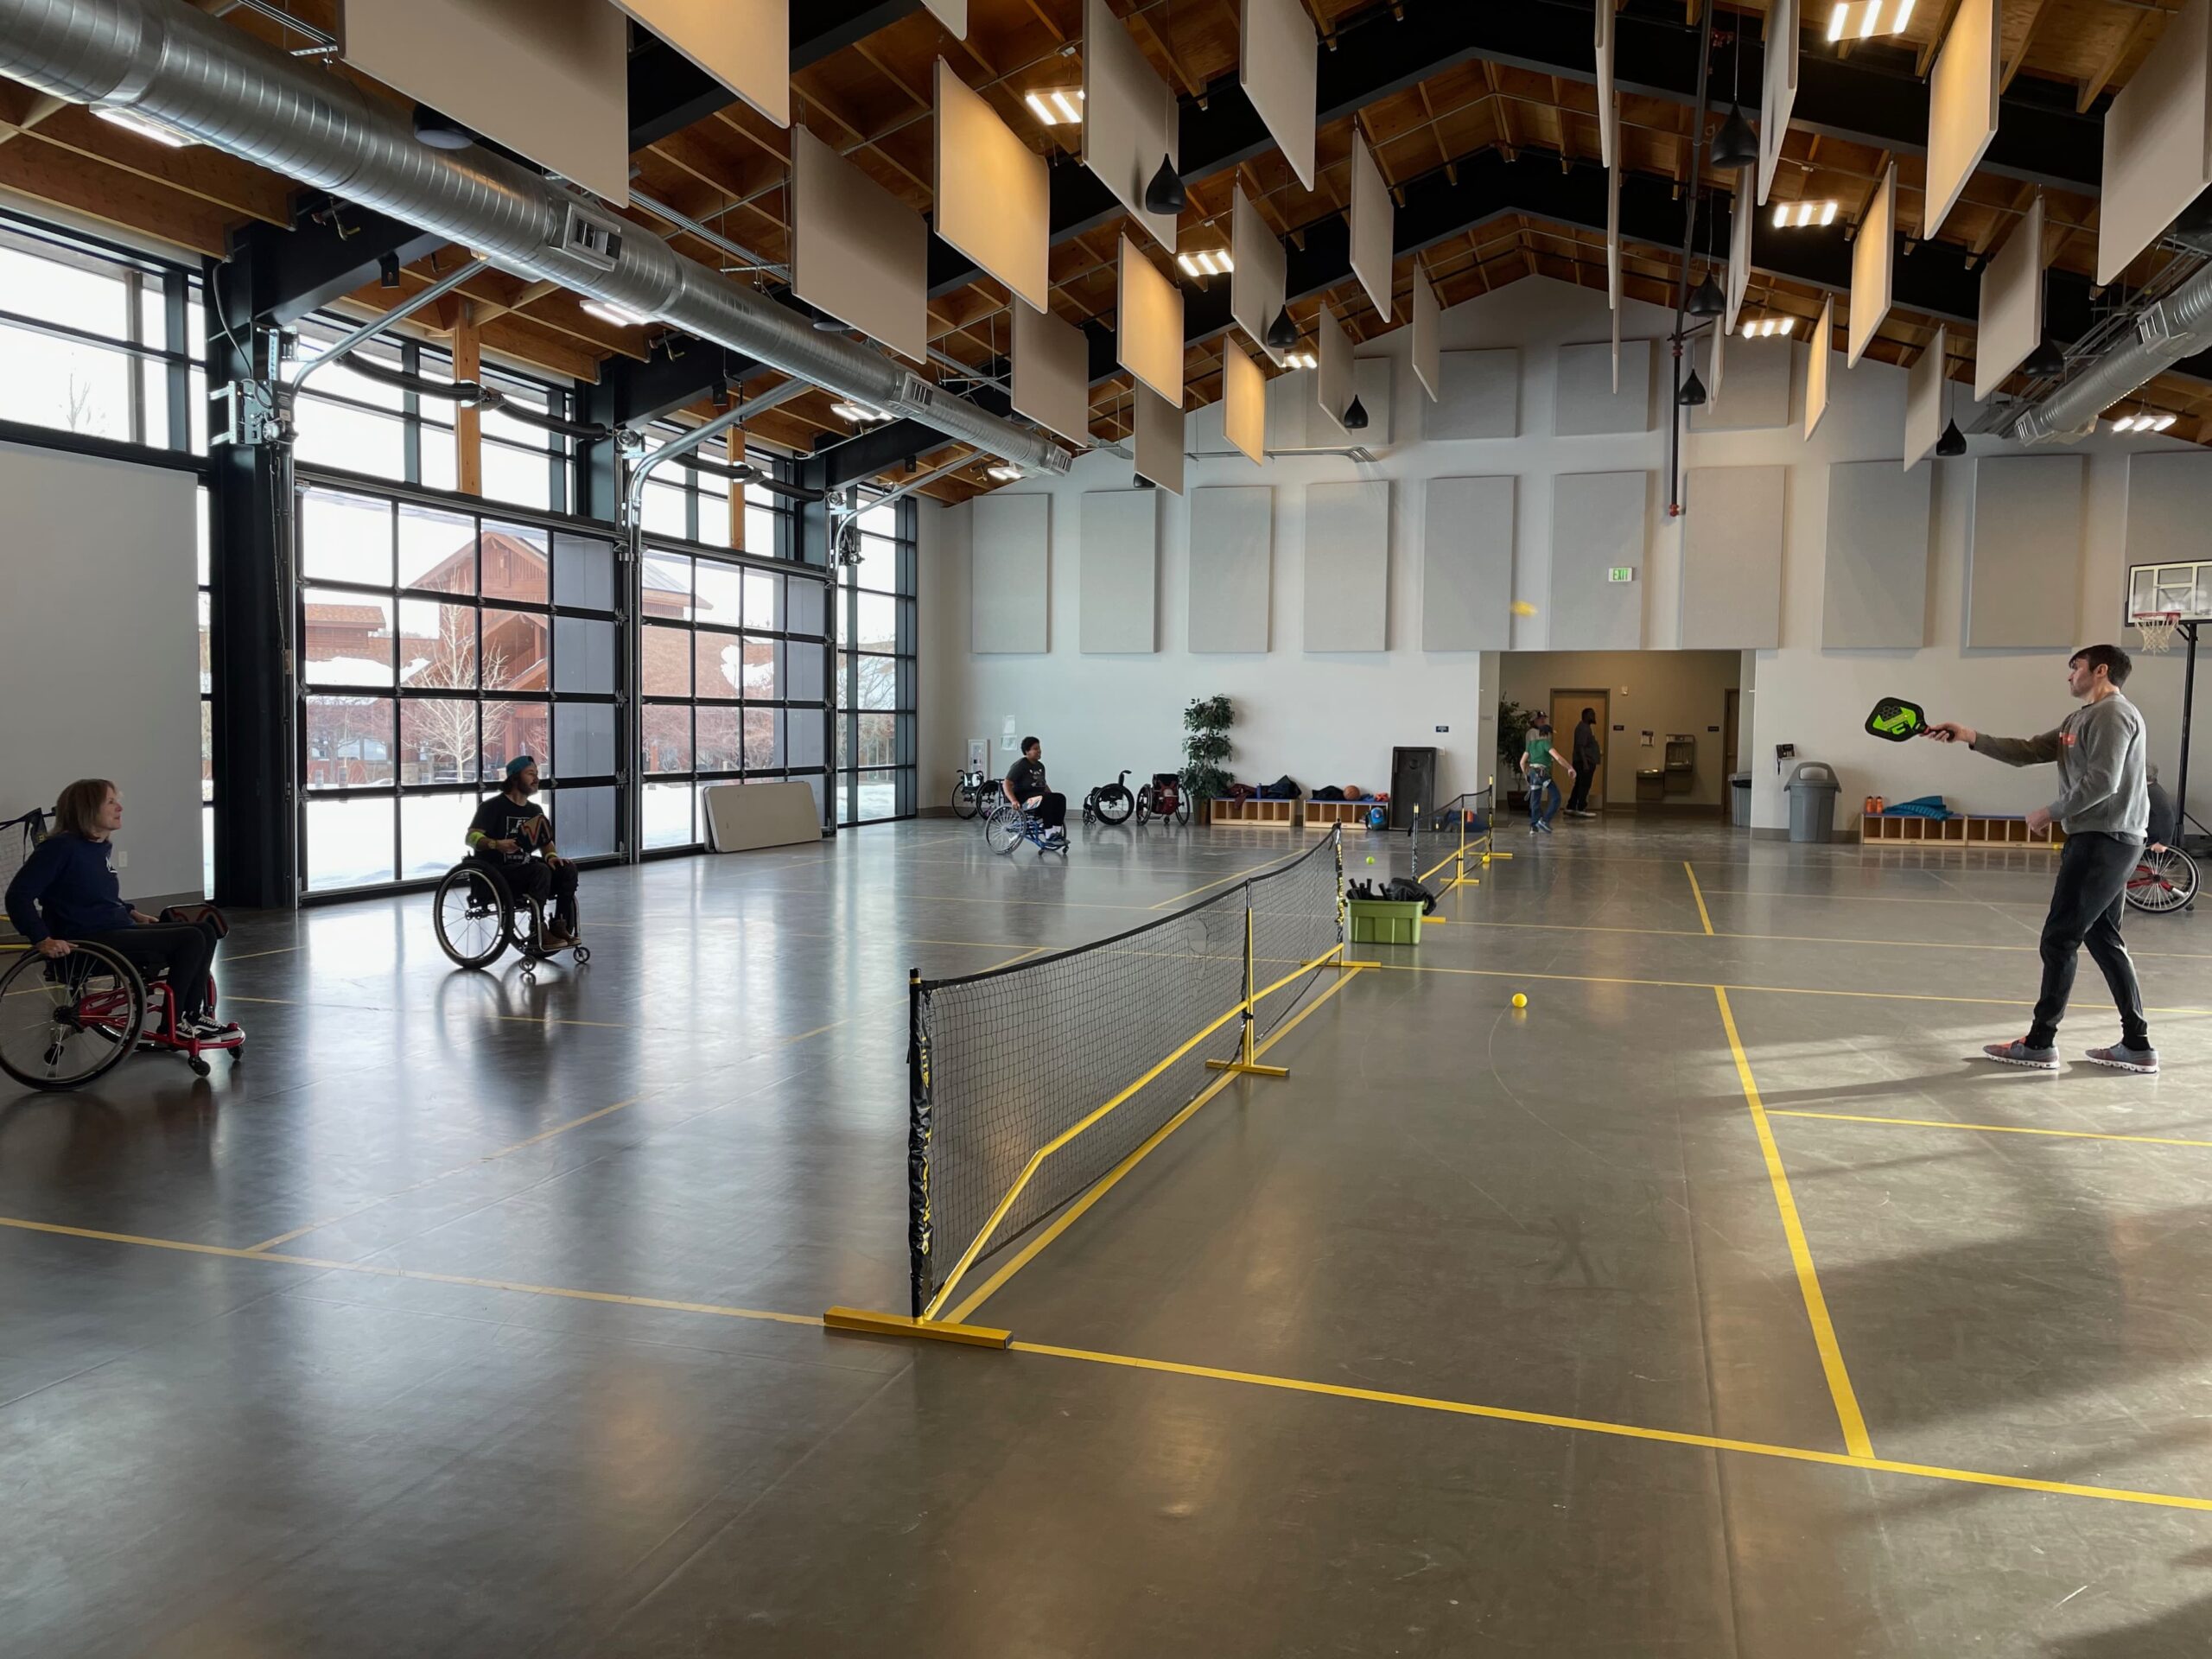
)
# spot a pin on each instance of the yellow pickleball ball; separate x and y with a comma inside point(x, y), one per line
point(1519, 1000)
point(1371, 858)
point(1522, 607)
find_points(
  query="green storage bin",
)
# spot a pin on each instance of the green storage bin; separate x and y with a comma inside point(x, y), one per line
point(1385, 921)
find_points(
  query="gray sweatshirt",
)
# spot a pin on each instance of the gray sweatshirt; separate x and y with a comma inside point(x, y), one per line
point(2099, 749)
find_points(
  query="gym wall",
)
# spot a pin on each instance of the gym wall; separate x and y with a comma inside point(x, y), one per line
point(99, 652)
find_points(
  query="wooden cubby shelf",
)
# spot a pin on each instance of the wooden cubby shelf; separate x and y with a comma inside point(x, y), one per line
point(1281, 813)
point(1965, 829)
point(1319, 814)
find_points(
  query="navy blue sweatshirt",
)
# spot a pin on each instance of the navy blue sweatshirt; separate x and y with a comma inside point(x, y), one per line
point(65, 889)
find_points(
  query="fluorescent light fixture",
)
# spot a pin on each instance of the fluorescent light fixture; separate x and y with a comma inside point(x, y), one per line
point(145, 126)
point(1861, 20)
point(1056, 108)
point(1790, 215)
point(2143, 421)
point(1768, 327)
point(1209, 264)
point(1004, 474)
point(859, 414)
point(614, 314)
point(1302, 359)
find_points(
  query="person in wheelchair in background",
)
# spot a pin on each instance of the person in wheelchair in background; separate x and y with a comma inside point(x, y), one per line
point(511, 833)
point(1026, 788)
point(66, 894)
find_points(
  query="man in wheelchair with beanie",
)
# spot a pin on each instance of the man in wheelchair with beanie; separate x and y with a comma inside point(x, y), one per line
point(506, 833)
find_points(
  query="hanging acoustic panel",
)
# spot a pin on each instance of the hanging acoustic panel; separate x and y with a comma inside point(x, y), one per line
point(1129, 117)
point(1923, 401)
point(1051, 372)
point(1427, 317)
point(1962, 109)
point(993, 195)
point(744, 44)
point(857, 251)
point(2155, 134)
point(1374, 225)
point(2012, 305)
point(1148, 324)
point(1714, 360)
point(1158, 439)
point(1333, 385)
point(953, 13)
point(1277, 67)
point(1779, 94)
point(1243, 402)
point(1256, 280)
point(1613, 238)
point(1740, 215)
point(1873, 266)
point(1816, 371)
point(1609, 109)
point(561, 96)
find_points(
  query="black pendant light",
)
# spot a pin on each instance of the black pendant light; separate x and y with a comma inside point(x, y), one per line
point(1707, 300)
point(2046, 362)
point(440, 131)
point(1692, 395)
point(1165, 193)
point(1355, 417)
point(1736, 144)
point(1282, 333)
point(1952, 442)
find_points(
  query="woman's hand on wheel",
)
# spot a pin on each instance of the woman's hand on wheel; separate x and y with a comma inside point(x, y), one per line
point(54, 949)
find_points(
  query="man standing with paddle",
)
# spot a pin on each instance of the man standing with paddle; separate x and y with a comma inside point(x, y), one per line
point(2105, 809)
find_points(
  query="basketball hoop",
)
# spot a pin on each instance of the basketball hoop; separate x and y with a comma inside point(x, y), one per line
point(2158, 629)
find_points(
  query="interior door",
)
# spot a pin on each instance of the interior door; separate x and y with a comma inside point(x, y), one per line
point(1733, 713)
point(1567, 714)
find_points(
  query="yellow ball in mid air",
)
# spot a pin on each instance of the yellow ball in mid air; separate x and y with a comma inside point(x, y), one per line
point(1519, 1001)
point(1522, 607)
point(1371, 858)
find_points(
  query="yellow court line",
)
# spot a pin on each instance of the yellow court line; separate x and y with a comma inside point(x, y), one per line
point(1701, 913)
point(1067, 1217)
point(1253, 1379)
point(1992, 1129)
point(1593, 1425)
point(1806, 938)
point(1801, 1253)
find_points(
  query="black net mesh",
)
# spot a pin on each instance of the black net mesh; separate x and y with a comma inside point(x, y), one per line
point(17, 837)
point(1003, 1062)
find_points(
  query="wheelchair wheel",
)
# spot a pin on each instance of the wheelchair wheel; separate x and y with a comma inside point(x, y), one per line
point(582, 955)
point(1002, 831)
point(1115, 805)
point(2162, 880)
point(1182, 808)
point(470, 909)
point(1144, 803)
point(65, 1021)
point(965, 802)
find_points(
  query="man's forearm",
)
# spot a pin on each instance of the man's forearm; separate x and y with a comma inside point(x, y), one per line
point(2018, 751)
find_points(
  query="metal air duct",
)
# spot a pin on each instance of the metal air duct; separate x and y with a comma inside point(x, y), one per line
point(2165, 333)
point(168, 62)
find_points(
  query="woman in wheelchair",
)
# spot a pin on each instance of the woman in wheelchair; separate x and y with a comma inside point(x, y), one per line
point(507, 830)
point(66, 895)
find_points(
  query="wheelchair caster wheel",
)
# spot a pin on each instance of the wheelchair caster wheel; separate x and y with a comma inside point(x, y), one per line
point(582, 955)
point(237, 1053)
point(199, 1067)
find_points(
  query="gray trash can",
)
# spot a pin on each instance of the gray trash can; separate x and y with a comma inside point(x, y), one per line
point(1812, 790)
point(1739, 798)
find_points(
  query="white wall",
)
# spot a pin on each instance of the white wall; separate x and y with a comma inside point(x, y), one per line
point(1332, 718)
point(99, 652)
point(1658, 692)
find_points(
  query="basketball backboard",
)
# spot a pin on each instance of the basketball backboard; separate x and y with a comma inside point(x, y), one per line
point(2184, 587)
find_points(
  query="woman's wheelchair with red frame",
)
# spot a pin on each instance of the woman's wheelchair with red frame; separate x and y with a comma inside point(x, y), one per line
point(479, 916)
point(65, 1021)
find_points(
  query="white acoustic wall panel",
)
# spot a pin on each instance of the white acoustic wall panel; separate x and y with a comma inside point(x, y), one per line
point(1148, 323)
point(993, 195)
point(2169, 504)
point(1734, 522)
point(1129, 117)
point(1779, 95)
point(1816, 368)
point(1467, 564)
point(1587, 404)
point(1158, 439)
point(1243, 402)
point(2156, 138)
point(1609, 108)
point(1348, 566)
point(1962, 109)
point(1873, 266)
point(1876, 584)
point(1051, 372)
point(1924, 400)
point(1740, 216)
point(561, 95)
point(1118, 571)
point(1277, 65)
point(1256, 280)
point(1232, 547)
point(2012, 305)
point(1374, 221)
point(1426, 318)
point(1333, 385)
point(744, 44)
point(1479, 397)
point(1009, 577)
point(1758, 387)
point(2023, 579)
point(857, 251)
point(1599, 524)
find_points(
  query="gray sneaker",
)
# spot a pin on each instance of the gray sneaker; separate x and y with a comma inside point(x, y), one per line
point(2121, 1057)
point(2019, 1053)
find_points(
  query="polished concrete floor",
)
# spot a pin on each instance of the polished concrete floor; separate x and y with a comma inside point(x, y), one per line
point(473, 1317)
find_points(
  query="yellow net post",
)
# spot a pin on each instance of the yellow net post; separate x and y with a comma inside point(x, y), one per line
point(1247, 1060)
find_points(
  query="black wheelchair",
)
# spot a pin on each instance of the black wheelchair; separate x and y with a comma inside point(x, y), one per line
point(479, 916)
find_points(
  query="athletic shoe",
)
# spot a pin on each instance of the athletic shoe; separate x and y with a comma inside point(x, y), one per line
point(2017, 1052)
point(205, 1028)
point(2121, 1057)
point(1574, 812)
point(1546, 826)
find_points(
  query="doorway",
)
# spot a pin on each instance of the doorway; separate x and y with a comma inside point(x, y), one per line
point(1567, 714)
point(1733, 714)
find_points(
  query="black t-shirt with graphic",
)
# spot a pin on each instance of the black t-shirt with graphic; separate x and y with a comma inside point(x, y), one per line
point(526, 825)
point(1026, 778)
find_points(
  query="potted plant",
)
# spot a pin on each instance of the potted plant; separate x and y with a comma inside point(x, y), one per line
point(1513, 724)
point(1205, 747)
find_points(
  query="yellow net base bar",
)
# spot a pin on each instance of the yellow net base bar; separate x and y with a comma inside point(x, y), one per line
point(863, 1323)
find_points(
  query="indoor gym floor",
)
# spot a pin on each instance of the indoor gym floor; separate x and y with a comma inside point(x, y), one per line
point(1722, 1303)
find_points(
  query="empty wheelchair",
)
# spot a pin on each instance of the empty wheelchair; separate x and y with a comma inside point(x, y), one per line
point(479, 917)
point(65, 1021)
point(1163, 798)
point(1006, 826)
point(2164, 879)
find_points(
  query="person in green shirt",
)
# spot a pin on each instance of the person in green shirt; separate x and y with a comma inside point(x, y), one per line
point(1537, 763)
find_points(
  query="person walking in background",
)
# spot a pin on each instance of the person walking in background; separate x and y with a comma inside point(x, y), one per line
point(1586, 756)
point(1536, 763)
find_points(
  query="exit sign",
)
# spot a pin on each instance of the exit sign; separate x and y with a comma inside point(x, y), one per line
point(1621, 573)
